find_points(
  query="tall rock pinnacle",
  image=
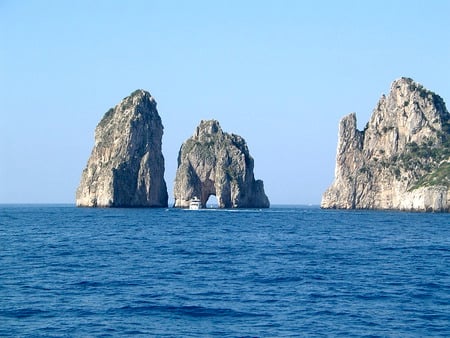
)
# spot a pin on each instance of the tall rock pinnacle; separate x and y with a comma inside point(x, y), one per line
point(212, 162)
point(401, 160)
point(126, 166)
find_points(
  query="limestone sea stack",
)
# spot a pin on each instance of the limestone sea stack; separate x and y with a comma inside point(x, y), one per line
point(126, 166)
point(401, 160)
point(212, 162)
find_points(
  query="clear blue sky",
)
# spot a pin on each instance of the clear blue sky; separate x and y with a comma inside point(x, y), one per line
point(279, 73)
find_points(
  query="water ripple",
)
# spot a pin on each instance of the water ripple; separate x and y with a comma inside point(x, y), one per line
point(282, 272)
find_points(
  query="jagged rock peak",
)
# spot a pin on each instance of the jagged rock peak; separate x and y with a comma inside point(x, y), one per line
point(212, 162)
point(139, 95)
point(126, 166)
point(207, 128)
point(401, 160)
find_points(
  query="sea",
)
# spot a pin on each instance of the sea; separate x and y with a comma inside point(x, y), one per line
point(287, 271)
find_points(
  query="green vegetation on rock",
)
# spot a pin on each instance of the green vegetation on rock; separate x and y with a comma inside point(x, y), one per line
point(404, 146)
point(439, 176)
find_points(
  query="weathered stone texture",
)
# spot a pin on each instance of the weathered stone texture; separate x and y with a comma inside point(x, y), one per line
point(212, 162)
point(126, 166)
point(401, 160)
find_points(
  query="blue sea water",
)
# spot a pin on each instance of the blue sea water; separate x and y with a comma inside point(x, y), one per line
point(280, 272)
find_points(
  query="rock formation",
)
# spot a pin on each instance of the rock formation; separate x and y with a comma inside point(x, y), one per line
point(126, 166)
point(212, 162)
point(401, 160)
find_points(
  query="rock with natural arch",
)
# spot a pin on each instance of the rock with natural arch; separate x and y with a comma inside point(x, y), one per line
point(212, 162)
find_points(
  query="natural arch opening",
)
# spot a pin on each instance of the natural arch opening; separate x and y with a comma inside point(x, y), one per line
point(212, 202)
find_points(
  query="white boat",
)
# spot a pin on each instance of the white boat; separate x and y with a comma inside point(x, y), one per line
point(195, 204)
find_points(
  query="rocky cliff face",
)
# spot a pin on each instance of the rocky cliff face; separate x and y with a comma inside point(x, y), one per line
point(212, 162)
point(401, 160)
point(126, 166)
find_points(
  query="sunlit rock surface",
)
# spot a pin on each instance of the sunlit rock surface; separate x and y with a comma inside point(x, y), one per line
point(401, 160)
point(126, 166)
point(212, 162)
